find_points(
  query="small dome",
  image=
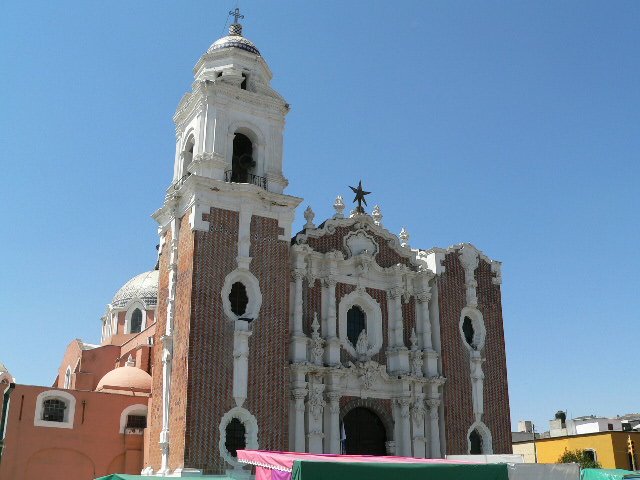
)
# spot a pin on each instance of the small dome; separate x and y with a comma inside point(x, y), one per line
point(235, 40)
point(125, 378)
point(143, 286)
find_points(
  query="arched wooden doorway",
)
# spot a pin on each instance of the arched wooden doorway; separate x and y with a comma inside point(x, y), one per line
point(365, 433)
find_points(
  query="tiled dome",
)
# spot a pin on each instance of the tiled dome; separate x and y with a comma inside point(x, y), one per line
point(143, 286)
point(125, 378)
point(235, 40)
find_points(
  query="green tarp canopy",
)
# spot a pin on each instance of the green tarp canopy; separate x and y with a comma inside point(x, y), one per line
point(308, 470)
point(607, 474)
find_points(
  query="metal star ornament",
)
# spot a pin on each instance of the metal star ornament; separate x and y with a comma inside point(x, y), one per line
point(360, 193)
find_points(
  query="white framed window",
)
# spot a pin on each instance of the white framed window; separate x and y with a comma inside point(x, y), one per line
point(241, 291)
point(472, 330)
point(236, 422)
point(135, 319)
point(55, 408)
point(373, 320)
point(132, 418)
point(479, 441)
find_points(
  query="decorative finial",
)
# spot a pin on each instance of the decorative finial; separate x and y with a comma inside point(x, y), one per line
point(308, 216)
point(130, 362)
point(404, 237)
point(235, 28)
point(338, 205)
point(376, 214)
point(315, 325)
point(413, 339)
point(360, 194)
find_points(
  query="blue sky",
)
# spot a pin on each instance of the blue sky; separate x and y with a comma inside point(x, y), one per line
point(511, 125)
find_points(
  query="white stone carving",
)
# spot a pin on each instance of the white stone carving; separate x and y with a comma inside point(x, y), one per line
point(360, 242)
point(309, 216)
point(362, 346)
point(376, 214)
point(485, 434)
point(339, 207)
point(241, 336)
point(316, 342)
point(477, 383)
point(404, 237)
point(469, 258)
point(251, 433)
point(373, 316)
point(254, 294)
point(496, 268)
point(316, 401)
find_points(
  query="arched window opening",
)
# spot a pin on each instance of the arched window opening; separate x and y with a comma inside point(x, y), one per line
point(136, 321)
point(242, 162)
point(475, 439)
point(235, 437)
point(238, 299)
point(136, 421)
point(365, 433)
point(243, 85)
point(188, 154)
point(590, 454)
point(469, 332)
point(356, 323)
point(67, 378)
point(53, 410)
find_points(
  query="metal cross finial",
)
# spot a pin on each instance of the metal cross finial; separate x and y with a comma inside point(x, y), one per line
point(236, 14)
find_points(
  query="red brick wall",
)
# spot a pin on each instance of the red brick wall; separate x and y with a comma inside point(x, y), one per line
point(311, 302)
point(409, 319)
point(497, 414)
point(211, 355)
point(458, 407)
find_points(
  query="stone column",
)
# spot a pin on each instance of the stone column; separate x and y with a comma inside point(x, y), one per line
point(298, 338)
point(434, 427)
point(417, 417)
point(332, 430)
point(332, 350)
point(402, 422)
point(315, 407)
point(299, 439)
point(167, 342)
point(398, 353)
point(430, 355)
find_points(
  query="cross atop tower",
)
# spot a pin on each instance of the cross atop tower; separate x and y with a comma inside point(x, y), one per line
point(236, 15)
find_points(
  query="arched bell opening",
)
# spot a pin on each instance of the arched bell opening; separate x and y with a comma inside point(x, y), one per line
point(242, 161)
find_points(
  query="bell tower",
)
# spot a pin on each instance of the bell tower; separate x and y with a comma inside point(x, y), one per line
point(221, 373)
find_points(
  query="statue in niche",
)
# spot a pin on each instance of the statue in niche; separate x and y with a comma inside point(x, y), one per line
point(362, 346)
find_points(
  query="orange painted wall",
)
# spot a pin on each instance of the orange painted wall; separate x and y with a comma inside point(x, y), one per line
point(94, 446)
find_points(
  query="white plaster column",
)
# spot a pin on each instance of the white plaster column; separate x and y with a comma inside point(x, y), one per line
point(298, 338)
point(469, 260)
point(299, 438)
point(241, 336)
point(417, 417)
point(167, 340)
point(398, 353)
point(477, 384)
point(434, 427)
point(402, 422)
point(430, 355)
point(332, 349)
point(315, 407)
point(332, 425)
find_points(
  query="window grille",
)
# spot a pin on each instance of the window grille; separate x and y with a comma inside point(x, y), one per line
point(136, 321)
point(136, 421)
point(235, 437)
point(356, 321)
point(53, 410)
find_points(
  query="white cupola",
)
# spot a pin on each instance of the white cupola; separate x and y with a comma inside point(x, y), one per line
point(230, 127)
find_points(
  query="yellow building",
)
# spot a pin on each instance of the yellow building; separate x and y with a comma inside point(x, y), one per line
point(610, 449)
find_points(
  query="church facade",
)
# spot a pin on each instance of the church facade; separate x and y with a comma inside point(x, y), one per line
point(340, 338)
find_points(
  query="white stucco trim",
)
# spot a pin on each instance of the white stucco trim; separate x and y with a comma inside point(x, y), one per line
point(137, 409)
point(252, 285)
point(131, 306)
point(69, 413)
point(479, 330)
point(373, 315)
point(67, 377)
point(485, 433)
point(251, 433)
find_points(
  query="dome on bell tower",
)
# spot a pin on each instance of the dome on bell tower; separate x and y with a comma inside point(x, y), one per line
point(234, 40)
